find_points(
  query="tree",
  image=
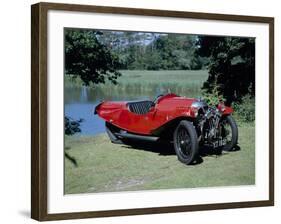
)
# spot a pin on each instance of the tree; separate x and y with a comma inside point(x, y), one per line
point(87, 58)
point(92, 61)
point(153, 51)
point(232, 65)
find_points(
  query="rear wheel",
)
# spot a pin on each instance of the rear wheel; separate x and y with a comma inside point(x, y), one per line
point(229, 133)
point(185, 142)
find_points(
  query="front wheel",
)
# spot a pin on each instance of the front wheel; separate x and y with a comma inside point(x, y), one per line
point(185, 142)
point(229, 133)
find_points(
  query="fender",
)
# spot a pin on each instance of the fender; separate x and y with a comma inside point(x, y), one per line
point(225, 110)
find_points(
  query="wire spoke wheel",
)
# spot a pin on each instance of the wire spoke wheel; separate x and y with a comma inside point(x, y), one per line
point(226, 131)
point(183, 140)
point(186, 142)
point(229, 133)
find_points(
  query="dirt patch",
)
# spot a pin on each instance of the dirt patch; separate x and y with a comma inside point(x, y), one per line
point(125, 184)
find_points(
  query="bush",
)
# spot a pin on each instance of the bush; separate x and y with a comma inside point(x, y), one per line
point(245, 111)
point(71, 126)
point(213, 98)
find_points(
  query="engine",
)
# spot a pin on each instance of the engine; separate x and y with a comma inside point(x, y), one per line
point(208, 123)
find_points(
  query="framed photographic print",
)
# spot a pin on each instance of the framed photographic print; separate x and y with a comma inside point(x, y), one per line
point(139, 111)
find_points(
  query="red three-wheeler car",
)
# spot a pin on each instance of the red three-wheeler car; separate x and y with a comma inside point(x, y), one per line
point(186, 122)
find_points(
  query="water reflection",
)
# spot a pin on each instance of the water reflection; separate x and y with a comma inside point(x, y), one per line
point(84, 94)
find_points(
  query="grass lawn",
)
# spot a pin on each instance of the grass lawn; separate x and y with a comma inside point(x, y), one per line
point(106, 167)
point(182, 77)
point(139, 82)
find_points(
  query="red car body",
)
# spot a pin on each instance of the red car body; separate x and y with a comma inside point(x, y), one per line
point(164, 110)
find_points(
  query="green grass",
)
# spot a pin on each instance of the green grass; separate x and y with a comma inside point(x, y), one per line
point(106, 167)
point(182, 77)
point(182, 82)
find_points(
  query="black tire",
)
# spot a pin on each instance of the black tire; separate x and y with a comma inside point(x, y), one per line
point(185, 142)
point(234, 133)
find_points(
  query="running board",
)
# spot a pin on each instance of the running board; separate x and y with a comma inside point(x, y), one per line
point(137, 137)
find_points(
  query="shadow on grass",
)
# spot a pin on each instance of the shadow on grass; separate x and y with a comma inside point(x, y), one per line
point(161, 148)
point(210, 151)
point(70, 158)
point(167, 149)
point(207, 151)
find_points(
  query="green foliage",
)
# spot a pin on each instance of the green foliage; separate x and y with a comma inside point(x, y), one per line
point(87, 58)
point(232, 65)
point(198, 62)
point(173, 52)
point(245, 110)
point(154, 51)
point(71, 126)
point(213, 97)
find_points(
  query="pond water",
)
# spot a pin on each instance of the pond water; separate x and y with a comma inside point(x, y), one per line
point(80, 102)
